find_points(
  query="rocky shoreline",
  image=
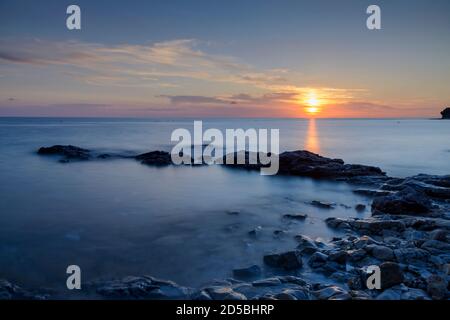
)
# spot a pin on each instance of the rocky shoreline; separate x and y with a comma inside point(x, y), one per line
point(407, 236)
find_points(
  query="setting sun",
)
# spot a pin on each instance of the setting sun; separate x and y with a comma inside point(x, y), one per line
point(312, 103)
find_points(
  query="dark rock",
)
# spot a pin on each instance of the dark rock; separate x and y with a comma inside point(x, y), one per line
point(411, 255)
point(360, 207)
point(269, 282)
point(445, 113)
point(317, 260)
point(323, 205)
point(141, 288)
point(381, 252)
point(391, 274)
point(371, 193)
point(306, 244)
point(437, 287)
point(330, 292)
point(405, 202)
point(288, 260)
point(249, 272)
point(298, 216)
point(305, 163)
point(224, 293)
point(338, 257)
point(68, 152)
point(365, 225)
point(158, 158)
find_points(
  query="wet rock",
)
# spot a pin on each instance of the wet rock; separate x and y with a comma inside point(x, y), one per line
point(249, 272)
point(305, 244)
point(10, 291)
point(267, 282)
point(323, 205)
point(201, 295)
point(330, 292)
point(298, 216)
point(157, 158)
point(411, 255)
point(299, 294)
point(371, 193)
point(437, 287)
point(391, 274)
point(390, 294)
point(67, 152)
point(376, 227)
point(339, 257)
point(305, 163)
point(356, 255)
point(414, 294)
point(435, 246)
point(317, 260)
point(284, 296)
point(141, 288)
point(405, 202)
point(439, 235)
point(360, 207)
point(255, 232)
point(288, 260)
point(224, 293)
point(381, 252)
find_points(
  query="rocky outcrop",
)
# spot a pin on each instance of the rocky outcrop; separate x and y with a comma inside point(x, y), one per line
point(159, 158)
point(67, 153)
point(445, 113)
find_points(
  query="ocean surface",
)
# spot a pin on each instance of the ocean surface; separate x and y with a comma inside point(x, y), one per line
point(118, 217)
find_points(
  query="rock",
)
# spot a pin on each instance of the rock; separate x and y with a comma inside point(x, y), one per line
point(411, 255)
point(249, 272)
point(435, 246)
point(339, 257)
point(437, 287)
point(224, 293)
point(445, 113)
point(317, 260)
point(67, 152)
point(356, 255)
point(255, 232)
point(405, 202)
point(391, 274)
point(371, 193)
point(323, 205)
point(298, 216)
point(381, 252)
point(439, 235)
point(306, 245)
point(360, 207)
point(414, 294)
point(288, 260)
point(376, 227)
point(329, 292)
point(305, 163)
point(390, 294)
point(267, 282)
point(299, 294)
point(141, 288)
point(284, 296)
point(233, 213)
point(158, 158)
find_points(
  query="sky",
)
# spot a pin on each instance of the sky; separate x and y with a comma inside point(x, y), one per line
point(217, 58)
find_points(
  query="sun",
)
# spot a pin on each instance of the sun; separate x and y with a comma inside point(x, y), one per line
point(312, 104)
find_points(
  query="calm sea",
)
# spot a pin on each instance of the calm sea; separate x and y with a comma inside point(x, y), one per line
point(116, 218)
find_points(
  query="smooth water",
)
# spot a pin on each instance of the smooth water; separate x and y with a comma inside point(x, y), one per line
point(117, 217)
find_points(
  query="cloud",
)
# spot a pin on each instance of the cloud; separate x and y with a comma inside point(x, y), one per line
point(132, 64)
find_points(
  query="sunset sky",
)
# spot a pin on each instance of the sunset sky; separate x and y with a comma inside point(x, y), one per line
point(225, 59)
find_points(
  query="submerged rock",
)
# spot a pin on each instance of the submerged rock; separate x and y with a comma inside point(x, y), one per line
point(298, 216)
point(249, 272)
point(68, 152)
point(158, 158)
point(391, 274)
point(288, 260)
